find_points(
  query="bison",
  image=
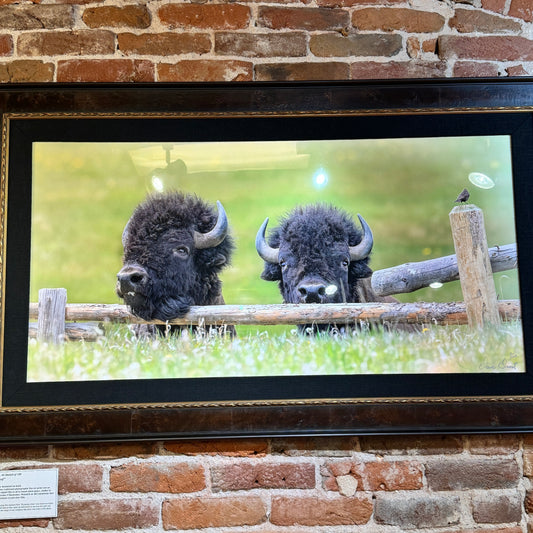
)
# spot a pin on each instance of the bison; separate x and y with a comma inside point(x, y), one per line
point(317, 254)
point(175, 246)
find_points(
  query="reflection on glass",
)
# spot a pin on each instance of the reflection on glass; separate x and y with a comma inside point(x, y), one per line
point(83, 194)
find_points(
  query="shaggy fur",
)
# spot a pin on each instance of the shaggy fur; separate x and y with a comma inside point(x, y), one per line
point(160, 241)
point(313, 243)
point(313, 246)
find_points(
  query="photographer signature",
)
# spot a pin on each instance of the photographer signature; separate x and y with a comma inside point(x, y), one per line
point(510, 363)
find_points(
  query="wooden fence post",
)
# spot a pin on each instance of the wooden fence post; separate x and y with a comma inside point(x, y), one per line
point(51, 319)
point(475, 272)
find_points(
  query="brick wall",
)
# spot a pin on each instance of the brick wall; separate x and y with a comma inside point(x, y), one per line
point(432, 484)
point(84, 40)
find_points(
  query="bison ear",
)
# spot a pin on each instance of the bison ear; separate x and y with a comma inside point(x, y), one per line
point(271, 272)
point(359, 269)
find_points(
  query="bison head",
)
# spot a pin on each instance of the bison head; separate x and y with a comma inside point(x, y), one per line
point(175, 245)
point(317, 255)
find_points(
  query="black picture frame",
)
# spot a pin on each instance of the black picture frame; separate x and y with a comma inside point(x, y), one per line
point(271, 405)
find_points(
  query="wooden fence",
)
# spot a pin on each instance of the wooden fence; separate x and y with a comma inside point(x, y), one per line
point(473, 264)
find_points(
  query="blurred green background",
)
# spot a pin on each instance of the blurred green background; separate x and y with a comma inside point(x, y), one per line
point(84, 193)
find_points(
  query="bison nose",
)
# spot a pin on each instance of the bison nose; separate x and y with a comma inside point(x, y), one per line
point(130, 278)
point(312, 292)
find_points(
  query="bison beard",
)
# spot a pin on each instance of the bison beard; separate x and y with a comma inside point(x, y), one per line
point(318, 255)
point(175, 246)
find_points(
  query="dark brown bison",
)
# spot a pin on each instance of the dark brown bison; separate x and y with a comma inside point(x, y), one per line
point(317, 254)
point(175, 246)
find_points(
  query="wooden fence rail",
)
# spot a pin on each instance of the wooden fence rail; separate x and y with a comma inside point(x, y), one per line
point(267, 315)
point(410, 277)
point(473, 264)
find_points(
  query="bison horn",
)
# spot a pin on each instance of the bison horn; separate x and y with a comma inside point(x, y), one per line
point(362, 250)
point(266, 252)
point(216, 235)
point(126, 234)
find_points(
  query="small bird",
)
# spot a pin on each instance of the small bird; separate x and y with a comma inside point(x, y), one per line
point(463, 196)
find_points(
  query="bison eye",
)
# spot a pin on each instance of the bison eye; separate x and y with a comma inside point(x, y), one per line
point(181, 251)
point(282, 263)
point(345, 263)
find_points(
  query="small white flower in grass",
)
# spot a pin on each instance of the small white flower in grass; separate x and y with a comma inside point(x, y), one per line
point(134, 368)
point(308, 369)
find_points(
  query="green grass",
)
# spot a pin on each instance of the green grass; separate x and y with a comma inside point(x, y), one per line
point(84, 193)
point(120, 355)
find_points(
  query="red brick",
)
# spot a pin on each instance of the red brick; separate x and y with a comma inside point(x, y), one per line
point(496, 508)
point(429, 46)
point(164, 44)
point(398, 69)
point(205, 16)
point(149, 477)
point(80, 42)
point(377, 475)
point(355, 3)
point(20, 71)
point(473, 69)
point(247, 476)
point(306, 18)
point(490, 530)
point(528, 462)
point(312, 511)
point(417, 511)
point(528, 502)
point(23, 452)
point(493, 444)
point(498, 6)
point(521, 9)
point(22, 524)
point(205, 70)
point(412, 444)
point(462, 474)
point(105, 70)
point(197, 513)
point(315, 446)
point(31, 17)
point(107, 514)
point(104, 451)
point(6, 45)
point(302, 71)
point(287, 44)
point(113, 16)
point(226, 447)
point(80, 478)
point(336, 45)
point(496, 48)
point(471, 20)
point(517, 70)
point(413, 47)
point(392, 19)
point(528, 441)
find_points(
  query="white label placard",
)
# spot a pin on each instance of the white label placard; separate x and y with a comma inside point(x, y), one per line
point(28, 493)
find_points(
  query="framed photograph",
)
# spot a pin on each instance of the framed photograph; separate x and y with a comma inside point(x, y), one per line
point(265, 259)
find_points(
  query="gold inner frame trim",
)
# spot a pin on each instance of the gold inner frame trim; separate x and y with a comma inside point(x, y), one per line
point(273, 403)
point(4, 159)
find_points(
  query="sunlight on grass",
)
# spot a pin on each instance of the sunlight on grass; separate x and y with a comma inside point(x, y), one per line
point(84, 193)
point(120, 355)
